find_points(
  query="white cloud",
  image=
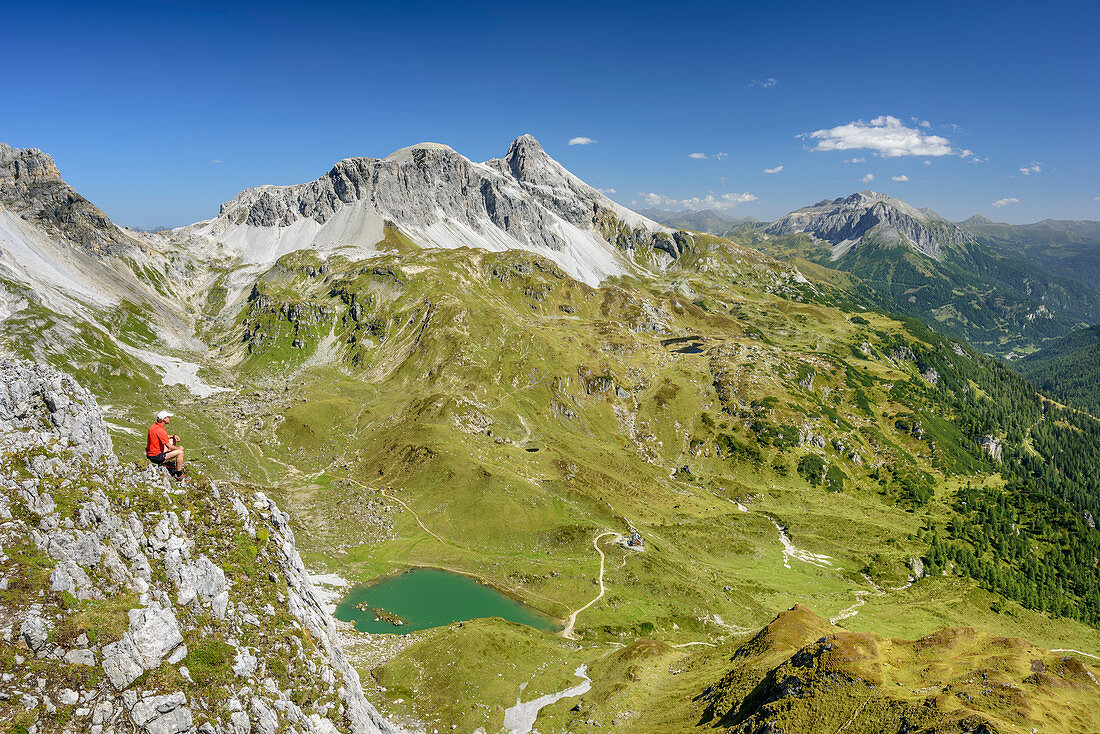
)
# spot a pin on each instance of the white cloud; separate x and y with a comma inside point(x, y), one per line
point(769, 82)
point(902, 177)
point(697, 203)
point(1035, 167)
point(582, 140)
point(928, 163)
point(925, 123)
point(215, 160)
point(887, 136)
point(855, 160)
point(698, 156)
point(1005, 202)
point(607, 191)
point(868, 177)
point(720, 156)
point(777, 169)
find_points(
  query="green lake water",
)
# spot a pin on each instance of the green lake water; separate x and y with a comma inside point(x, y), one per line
point(428, 597)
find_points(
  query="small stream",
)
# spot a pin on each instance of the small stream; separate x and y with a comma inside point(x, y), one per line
point(520, 719)
point(792, 551)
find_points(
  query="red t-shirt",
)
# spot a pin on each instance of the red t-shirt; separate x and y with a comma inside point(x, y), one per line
point(158, 440)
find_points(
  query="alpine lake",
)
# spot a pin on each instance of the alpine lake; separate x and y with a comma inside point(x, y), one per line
point(424, 598)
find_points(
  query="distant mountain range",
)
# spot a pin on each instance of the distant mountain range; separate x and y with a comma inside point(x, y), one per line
point(918, 263)
point(1063, 247)
point(706, 220)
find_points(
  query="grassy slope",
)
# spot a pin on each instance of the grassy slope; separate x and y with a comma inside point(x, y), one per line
point(433, 374)
point(998, 304)
point(612, 413)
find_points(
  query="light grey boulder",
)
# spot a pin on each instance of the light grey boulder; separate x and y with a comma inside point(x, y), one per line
point(153, 633)
point(69, 577)
point(245, 663)
point(240, 723)
point(34, 631)
point(166, 714)
point(80, 657)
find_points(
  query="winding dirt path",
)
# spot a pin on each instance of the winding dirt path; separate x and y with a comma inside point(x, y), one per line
point(571, 620)
point(854, 715)
point(1094, 657)
point(411, 510)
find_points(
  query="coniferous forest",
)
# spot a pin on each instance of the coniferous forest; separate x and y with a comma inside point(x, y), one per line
point(1034, 540)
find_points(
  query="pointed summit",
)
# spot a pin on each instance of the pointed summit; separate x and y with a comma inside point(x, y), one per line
point(438, 198)
point(977, 219)
point(527, 161)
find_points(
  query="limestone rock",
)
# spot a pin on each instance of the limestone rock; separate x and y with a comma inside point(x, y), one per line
point(525, 200)
point(848, 222)
point(166, 714)
point(153, 633)
point(31, 185)
point(34, 630)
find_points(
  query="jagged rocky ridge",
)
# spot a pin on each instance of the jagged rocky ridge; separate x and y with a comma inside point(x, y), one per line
point(439, 198)
point(849, 222)
point(131, 604)
point(32, 187)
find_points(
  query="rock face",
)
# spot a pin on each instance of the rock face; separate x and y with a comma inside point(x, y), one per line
point(992, 446)
point(866, 216)
point(189, 605)
point(439, 198)
point(32, 187)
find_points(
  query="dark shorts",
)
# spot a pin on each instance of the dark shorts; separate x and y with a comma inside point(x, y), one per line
point(159, 458)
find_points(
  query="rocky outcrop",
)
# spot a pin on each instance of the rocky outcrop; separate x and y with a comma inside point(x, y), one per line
point(992, 446)
point(849, 222)
point(32, 187)
point(439, 198)
point(188, 606)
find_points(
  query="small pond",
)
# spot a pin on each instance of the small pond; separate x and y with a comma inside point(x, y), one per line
point(428, 597)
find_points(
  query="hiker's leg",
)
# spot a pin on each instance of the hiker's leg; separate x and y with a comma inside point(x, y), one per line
point(174, 457)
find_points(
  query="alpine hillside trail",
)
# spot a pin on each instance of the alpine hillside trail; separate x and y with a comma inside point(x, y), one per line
point(1088, 655)
point(571, 621)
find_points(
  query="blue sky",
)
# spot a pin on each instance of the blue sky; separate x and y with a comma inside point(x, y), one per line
point(159, 111)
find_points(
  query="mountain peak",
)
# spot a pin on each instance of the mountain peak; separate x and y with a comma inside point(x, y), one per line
point(526, 142)
point(867, 196)
point(527, 160)
point(22, 164)
point(31, 185)
point(404, 154)
point(976, 219)
point(441, 199)
point(848, 222)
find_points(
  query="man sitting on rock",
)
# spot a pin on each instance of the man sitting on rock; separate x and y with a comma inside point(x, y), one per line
point(163, 449)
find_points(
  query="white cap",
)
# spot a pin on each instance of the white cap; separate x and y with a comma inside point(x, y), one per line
point(164, 414)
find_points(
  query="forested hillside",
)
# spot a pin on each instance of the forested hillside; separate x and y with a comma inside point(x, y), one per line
point(1069, 369)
